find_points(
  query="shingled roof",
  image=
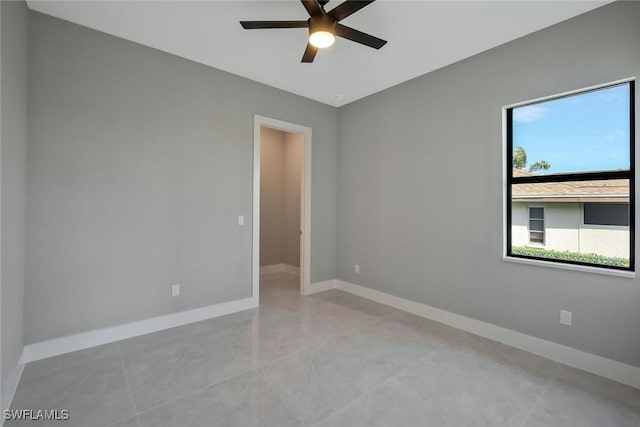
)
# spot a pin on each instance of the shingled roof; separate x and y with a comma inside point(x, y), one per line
point(615, 190)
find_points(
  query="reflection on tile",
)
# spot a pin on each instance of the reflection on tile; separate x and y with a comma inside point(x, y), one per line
point(393, 405)
point(462, 392)
point(331, 359)
point(447, 387)
point(564, 406)
point(362, 305)
point(279, 282)
point(154, 339)
point(325, 377)
point(330, 320)
point(82, 359)
point(241, 319)
point(291, 302)
point(94, 396)
point(355, 414)
point(571, 378)
point(425, 326)
point(487, 355)
point(131, 422)
point(272, 340)
point(314, 383)
point(577, 398)
point(241, 401)
point(163, 373)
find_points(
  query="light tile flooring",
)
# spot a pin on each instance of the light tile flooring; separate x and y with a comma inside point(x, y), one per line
point(331, 359)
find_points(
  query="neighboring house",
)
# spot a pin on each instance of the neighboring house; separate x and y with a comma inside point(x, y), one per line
point(590, 217)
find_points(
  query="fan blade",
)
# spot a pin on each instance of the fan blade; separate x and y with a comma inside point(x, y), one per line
point(347, 8)
point(309, 53)
point(256, 25)
point(359, 36)
point(312, 6)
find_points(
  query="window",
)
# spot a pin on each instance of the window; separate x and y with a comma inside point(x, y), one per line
point(606, 214)
point(536, 225)
point(570, 178)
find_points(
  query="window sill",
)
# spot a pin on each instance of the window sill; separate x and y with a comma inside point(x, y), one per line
point(583, 268)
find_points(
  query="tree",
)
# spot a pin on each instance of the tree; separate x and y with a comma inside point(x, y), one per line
point(520, 161)
point(519, 158)
point(539, 165)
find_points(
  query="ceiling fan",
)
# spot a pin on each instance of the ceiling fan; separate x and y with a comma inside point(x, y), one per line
point(323, 26)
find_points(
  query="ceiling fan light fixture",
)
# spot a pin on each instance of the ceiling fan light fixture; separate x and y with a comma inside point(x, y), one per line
point(322, 39)
point(322, 31)
point(323, 26)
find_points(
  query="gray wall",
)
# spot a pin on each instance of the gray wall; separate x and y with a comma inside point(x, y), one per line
point(281, 158)
point(293, 161)
point(138, 164)
point(13, 148)
point(420, 187)
point(271, 196)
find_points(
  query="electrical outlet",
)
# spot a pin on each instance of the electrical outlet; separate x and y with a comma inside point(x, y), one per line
point(240, 219)
point(565, 317)
point(175, 290)
point(357, 269)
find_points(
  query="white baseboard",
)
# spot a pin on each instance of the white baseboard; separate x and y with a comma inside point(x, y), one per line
point(321, 286)
point(291, 269)
point(276, 268)
point(598, 365)
point(611, 369)
point(57, 346)
point(10, 386)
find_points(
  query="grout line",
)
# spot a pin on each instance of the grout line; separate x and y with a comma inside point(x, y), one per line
point(254, 369)
point(190, 334)
point(368, 392)
point(543, 390)
point(117, 423)
point(126, 375)
point(260, 366)
point(311, 408)
point(182, 396)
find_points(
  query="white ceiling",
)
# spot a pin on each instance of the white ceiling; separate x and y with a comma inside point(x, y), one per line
point(422, 36)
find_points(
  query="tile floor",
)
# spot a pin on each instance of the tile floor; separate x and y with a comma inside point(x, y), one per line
point(331, 359)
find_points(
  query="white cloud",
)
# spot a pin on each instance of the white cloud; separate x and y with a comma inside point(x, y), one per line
point(529, 113)
point(617, 135)
point(609, 96)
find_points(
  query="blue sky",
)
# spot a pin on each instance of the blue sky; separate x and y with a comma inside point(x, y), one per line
point(585, 132)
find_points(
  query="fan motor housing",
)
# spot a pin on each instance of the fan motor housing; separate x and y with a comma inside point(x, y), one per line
point(322, 23)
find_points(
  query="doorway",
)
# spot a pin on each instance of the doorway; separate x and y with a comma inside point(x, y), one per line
point(281, 201)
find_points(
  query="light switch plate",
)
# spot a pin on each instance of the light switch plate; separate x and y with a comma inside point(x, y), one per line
point(175, 290)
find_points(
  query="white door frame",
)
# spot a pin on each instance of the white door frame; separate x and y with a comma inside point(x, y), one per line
point(305, 201)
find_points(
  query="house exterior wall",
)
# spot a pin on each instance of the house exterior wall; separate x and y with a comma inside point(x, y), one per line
point(565, 231)
point(612, 241)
